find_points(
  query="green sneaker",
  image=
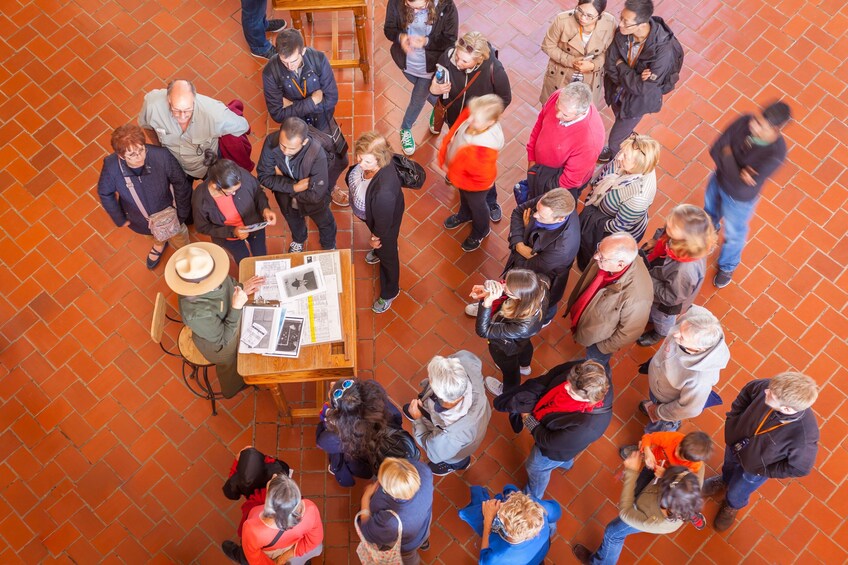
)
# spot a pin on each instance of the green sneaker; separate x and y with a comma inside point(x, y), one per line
point(433, 129)
point(407, 142)
point(381, 305)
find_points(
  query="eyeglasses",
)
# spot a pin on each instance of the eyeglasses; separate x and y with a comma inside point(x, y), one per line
point(339, 392)
point(178, 112)
point(462, 44)
point(621, 24)
point(584, 16)
point(137, 153)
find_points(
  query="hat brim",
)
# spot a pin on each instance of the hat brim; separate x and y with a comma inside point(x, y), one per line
point(219, 272)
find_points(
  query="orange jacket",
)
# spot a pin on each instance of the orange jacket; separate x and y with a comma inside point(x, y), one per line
point(663, 446)
point(473, 168)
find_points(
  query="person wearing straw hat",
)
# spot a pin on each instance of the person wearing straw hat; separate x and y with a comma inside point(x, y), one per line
point(210, 304)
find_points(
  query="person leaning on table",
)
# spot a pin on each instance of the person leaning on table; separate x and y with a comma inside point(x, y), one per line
point(210, 304)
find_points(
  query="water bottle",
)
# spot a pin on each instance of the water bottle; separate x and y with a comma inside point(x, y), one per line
point(440, 76)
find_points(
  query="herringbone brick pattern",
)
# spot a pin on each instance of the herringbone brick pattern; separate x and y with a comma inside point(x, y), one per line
point(106, 457)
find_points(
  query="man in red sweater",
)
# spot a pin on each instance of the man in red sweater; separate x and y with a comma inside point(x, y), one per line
point(568, 135)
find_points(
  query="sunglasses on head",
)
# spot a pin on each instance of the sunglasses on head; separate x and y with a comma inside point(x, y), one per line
point(462, 44)
point(634, 138)
point(339, 392)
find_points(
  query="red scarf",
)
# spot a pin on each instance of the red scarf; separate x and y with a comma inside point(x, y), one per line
point(661, 249)
point(601, 280)
point(558, 400)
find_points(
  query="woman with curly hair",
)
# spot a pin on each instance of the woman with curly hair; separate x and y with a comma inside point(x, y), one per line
point(359, 426)
point(677, 261)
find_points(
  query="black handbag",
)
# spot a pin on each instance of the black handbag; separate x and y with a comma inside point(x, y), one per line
point(412, 175)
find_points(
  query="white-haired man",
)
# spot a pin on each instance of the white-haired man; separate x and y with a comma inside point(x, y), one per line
point(611, 302)
point(451, 414)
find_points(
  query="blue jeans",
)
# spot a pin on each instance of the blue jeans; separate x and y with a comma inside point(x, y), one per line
point(252, 246)
point(420, 95)
point(594, 354)
point(614, 536)
point(661, 425)
point(539, 470)
point(736, 214)
point(740, 484)
point(253, 25)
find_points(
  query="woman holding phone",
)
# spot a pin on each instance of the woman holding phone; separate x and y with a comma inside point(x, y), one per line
point(231, 208)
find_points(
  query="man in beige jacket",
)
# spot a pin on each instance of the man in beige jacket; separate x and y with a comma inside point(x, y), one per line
point(611, 303)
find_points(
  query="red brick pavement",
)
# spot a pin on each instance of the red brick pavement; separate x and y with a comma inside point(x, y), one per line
point(105, 457)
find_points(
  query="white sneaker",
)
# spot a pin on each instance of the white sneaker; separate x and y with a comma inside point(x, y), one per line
point(494, 386)
point(471, 309)
point(525, 370)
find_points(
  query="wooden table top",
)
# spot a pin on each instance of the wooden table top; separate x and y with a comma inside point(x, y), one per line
point(321, 361)
point(316, 5)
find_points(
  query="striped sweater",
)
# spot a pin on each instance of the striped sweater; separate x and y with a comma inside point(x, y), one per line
point(627, 202)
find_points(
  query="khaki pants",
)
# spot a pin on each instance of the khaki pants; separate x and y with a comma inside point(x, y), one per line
point(178, 240)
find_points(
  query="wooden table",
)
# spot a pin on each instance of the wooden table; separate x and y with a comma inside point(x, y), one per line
point(316, 363)
point(360, 13)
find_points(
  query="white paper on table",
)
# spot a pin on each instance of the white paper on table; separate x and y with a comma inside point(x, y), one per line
point(269, 269)
point(266, 316)
point(300, 282)
point(289, 339)
point(331, 264)
point(322, 321)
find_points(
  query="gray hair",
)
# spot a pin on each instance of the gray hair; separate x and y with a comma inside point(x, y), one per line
point(624, 247)
point(174, 83)
point(282, 502)
point(704, 329)
point(577, 96)
point(448, 378)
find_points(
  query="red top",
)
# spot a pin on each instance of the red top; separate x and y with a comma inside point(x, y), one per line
point(661, 249)
point(663, 446)
point(307, 535)
point(474, 167)
point(228, 208)
point(602, 279)
point(558, 400)
point(575, 147)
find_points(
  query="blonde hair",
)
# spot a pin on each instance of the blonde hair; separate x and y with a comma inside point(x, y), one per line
point(646, 153)
point(700, 238)
point(478, 42)
point(399, 478)
point(522, 517)
point(524, 284)
point(374, 143)
point(795, 390)
point(489, 106)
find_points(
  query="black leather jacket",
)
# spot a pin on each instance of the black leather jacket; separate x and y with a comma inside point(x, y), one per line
point(508, 334)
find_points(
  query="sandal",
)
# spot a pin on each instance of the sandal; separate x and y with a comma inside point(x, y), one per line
point(340, 197)
point(151, 264)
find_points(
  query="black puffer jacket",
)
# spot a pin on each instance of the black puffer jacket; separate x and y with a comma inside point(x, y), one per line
point(442, 36)
point(507, 334)
point(787, 451)
point(639, 96)
point(384, 204)
point(560, 435)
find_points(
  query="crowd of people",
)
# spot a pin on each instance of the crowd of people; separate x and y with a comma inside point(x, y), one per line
point(586, 202)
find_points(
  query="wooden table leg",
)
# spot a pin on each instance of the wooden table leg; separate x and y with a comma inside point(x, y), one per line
point(359, 16)
point(296, 21)
point(282, 405)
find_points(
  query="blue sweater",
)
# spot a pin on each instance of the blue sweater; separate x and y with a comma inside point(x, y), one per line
point(415, 514)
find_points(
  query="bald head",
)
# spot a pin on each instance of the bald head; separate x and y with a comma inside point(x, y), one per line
point(181, 95)
point(616, 252)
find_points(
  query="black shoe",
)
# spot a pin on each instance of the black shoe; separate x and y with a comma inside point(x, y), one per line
point(650, 338)
point(516, 422)
point(454, 222)
point(642, 409)
point(269, 54)
point(232, 550)
point(722, 278)
point(441, 469)
point(582, 553)
point(425, 546)
point(643, 368)
point(405, 410)
point(495, 213)
point(275, 26)
point(624, 452)
point(471, 243)
point(606, 155)
point(699, 521)
point(158, 254)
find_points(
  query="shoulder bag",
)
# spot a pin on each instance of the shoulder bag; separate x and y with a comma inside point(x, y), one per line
point(370, 553)
point(163, 224)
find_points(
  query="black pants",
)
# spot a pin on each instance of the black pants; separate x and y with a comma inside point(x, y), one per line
point(510, 365)
point(474, 206)
point(336, 166)
point(389, 268)
point(253, 246)
point(621, 128)
point(324, 221)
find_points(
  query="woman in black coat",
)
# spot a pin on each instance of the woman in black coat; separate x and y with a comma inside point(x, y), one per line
point(384, 207)
point(228, 204)
point(420, 31)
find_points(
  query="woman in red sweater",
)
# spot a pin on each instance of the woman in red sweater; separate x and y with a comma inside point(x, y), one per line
point(287, 529)
point(469, 156)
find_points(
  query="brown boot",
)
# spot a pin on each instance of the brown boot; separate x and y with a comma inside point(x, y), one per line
point(725, 517)
point(712, 486)
point(582, 553)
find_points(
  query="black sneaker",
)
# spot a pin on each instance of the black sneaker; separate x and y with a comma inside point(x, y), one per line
point(722, 278)
point(371, 258)
point(275, 26)
point(582, 553)
point(440, 469)
point(650, 338)
point(269, 54)
point(232, 550)
point(606, 155)
point(495, 213)
point(454, 222)
point(425, 546)
point(471, 243)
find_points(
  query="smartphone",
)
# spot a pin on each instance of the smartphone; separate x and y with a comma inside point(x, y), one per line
point(256, 227)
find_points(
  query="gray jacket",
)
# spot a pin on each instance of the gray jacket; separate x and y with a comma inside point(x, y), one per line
point(681, 381)
point(676, 283)
point(453, 443)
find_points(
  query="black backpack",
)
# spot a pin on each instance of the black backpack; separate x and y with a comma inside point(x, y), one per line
point(401, 445)
point(673, 75)
point(412, 175)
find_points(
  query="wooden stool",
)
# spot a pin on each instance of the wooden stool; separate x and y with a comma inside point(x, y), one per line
point(360, 13)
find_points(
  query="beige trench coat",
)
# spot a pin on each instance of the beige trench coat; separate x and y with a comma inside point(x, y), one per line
point(564, 46)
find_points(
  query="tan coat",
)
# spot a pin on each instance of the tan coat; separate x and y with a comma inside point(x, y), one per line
point(618, 313)
point(564, 46)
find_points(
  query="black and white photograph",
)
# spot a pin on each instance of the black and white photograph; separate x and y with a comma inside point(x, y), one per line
point(288, 343)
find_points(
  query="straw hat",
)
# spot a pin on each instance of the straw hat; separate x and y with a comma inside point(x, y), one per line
point(197, 268)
